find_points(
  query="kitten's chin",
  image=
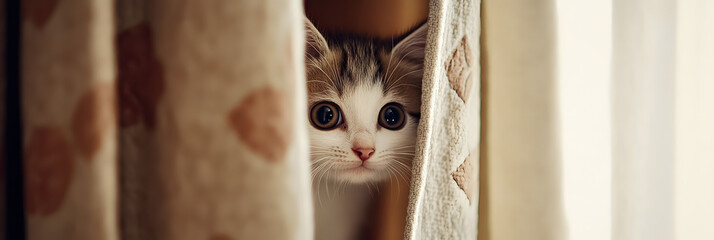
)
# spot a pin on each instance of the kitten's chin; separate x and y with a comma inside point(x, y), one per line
point(360, 175)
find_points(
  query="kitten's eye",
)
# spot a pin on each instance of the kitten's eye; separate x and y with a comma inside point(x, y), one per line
point(325, 115)
point(392, 116)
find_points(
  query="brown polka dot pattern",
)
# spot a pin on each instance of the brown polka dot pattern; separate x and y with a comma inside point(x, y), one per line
point(93, 118)
point(465, 177)
point(38, 11)
point(459, 69)
point(48, 170)
point(262, 122)
point(141, 76)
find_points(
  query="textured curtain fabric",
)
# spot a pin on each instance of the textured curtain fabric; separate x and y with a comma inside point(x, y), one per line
point(69, 125)
point(444, 187)
point(164, 120)
point(520, 165)
point(213, 144)
point(179, 119)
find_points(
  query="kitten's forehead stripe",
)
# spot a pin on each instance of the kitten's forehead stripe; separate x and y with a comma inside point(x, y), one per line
point(355, 61)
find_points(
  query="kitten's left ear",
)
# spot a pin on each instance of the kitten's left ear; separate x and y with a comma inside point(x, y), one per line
point(315, 44)
point(411, 48)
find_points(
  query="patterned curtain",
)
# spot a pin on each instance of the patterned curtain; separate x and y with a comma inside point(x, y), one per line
point(148, 120)
point(180, 119)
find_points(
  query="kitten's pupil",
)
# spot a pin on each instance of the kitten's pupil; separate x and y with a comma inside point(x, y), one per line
point(325, 115)
point(391, 116)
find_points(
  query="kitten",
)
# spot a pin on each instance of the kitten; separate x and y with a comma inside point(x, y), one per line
point(364, 100)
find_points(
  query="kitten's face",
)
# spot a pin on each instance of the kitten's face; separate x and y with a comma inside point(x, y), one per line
point(363, 105)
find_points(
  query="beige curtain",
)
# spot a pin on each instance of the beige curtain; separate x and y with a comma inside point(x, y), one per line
point(163, 126)
point(185, 120)
point(68, 108)
point(444, 188)
point(212, 144)
point(520, 164)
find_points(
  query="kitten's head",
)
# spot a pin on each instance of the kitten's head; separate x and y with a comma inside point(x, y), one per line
point(364, 99)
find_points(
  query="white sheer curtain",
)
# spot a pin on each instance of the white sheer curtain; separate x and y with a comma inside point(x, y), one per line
point(636, 100)
point(694, 121)
point(584, 50)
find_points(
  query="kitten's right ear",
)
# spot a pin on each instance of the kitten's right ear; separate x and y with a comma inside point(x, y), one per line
point(316, 45)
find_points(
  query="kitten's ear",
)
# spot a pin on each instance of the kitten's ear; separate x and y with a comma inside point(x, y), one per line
point(411, 48)
point(316, 45)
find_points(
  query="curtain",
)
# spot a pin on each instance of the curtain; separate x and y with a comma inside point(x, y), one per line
point(662, 120)
point(185, 120)
point(444, 189)
point(148, 120)
point(211, 148)
point(694, 121)
point(69, 129)
point(520, 158)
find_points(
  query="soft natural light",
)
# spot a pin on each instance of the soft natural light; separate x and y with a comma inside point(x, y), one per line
point(584, 45)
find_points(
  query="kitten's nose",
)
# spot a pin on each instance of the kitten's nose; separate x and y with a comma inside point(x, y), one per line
point(363, 153)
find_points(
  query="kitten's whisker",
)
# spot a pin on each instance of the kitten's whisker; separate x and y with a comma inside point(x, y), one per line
point(398, 63)
point(314, 147)
point(402, 164)
point(314, 48)
point(341, 187)
point(318, 174)
point(322, 174)
point(392, 173)
point(321, 167)
point(406, 84)
point(326, 75)
point(327, 187)
point(399, 172)
point(405, 146)
point(392, 84)
point(316, 162)
point(318, 81)
point(319, 159)
point(324, 58)
point(390, 55)
point(322, 55)
point(325, 151)
point(317, 170)
point(397, 66)
point(401, 152)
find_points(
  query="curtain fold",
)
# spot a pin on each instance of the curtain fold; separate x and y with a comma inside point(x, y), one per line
point(69, 125)
point(694, 121)
point(662, 120)
point(643, 107)
point(160, 124)
point(212, 144)
point(520, 165)
point(444, 187)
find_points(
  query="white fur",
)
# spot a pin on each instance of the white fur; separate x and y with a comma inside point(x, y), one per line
point(331, 150)
point(342, 194)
